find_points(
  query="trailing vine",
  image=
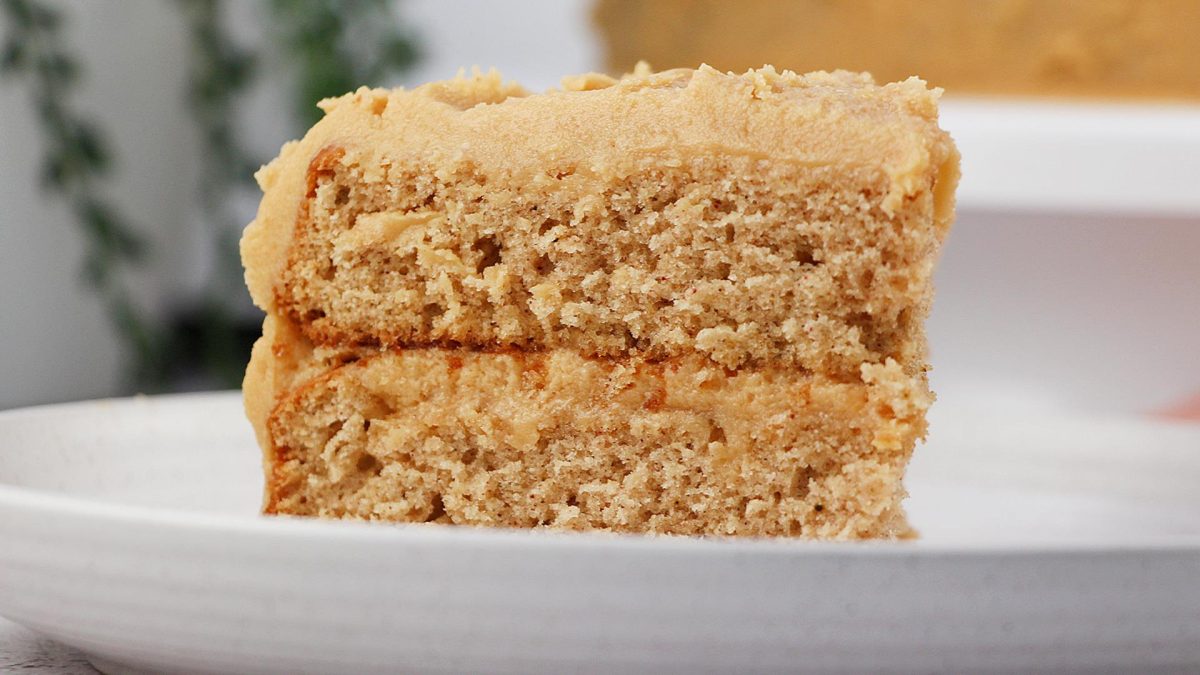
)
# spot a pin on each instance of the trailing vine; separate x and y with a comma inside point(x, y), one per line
point(338, 46)
point(76, 160)
point(219, 71)
point(329, 47)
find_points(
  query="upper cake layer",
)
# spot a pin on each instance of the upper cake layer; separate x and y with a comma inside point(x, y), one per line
point(754, 218)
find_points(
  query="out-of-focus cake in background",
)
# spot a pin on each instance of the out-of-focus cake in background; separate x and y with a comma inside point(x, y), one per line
point(1093, 48)
point(689, 302)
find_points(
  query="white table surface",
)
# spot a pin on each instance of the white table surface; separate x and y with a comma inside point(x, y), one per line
point(23, 651)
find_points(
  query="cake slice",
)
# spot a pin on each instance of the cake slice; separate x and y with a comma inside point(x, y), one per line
point(687, 302)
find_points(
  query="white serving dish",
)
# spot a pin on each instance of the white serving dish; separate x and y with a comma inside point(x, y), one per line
point(128, 529)
point(1071, 280)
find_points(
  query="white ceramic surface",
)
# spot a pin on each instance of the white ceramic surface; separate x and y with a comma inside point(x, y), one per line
point(1031, 156)
point(1070, 278)
point(128, 530)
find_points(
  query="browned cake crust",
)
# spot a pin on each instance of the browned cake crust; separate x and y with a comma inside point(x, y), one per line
point(687, 302)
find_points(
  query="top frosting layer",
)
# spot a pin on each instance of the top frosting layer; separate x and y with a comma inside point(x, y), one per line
point(603, 126)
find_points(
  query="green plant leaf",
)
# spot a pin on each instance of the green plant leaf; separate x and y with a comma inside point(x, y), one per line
point(109, 231)
point(13, 56)
point(90, 146)
point(400, 53)
point(94, 269)
point(55, 171)
point(20, 12)
point(238, 70)
point(59, 68)
point(43, 17)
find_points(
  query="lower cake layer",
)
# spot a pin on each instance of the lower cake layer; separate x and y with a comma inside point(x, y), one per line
point(556, 440)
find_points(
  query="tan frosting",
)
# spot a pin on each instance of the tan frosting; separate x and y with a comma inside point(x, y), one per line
point(604, 126)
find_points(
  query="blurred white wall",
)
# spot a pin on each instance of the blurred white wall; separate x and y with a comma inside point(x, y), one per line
point(55, 341)
point(535, 42)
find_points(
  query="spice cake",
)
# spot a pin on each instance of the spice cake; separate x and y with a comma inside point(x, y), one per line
point(1077, 48)
point(686, 302)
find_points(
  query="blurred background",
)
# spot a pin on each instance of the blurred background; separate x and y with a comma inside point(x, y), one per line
point(130, 129)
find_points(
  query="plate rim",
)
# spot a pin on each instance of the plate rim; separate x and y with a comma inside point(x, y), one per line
point(45, 504)
point(49, 504)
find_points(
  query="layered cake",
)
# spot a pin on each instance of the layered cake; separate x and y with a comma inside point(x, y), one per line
point(1089, 48)
point(686, 302)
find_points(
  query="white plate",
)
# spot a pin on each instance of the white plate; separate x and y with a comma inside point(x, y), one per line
point(1072, 263)
point(128, 530)
point(1029, 155)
